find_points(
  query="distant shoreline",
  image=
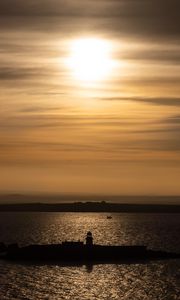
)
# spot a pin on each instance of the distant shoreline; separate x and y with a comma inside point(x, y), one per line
point(90, 207)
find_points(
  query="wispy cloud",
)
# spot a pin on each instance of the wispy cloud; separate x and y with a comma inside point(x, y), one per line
point(173, 120)
point(169, 101)
point(153, 55)
point(119, 17)
point(15, 73)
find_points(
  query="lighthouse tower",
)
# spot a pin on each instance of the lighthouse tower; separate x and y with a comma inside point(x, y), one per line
point(89, 239)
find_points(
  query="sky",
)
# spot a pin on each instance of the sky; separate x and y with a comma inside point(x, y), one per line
point(90, 97)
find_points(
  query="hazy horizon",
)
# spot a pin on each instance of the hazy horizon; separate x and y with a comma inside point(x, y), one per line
point(75, 198)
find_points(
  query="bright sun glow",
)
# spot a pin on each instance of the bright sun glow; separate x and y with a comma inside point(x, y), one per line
point(90, 59)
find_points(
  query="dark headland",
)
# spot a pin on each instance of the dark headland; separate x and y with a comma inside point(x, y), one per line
point(78, 252)
point(126, 204)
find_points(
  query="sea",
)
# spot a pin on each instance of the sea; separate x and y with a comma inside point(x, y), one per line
point(154, 280)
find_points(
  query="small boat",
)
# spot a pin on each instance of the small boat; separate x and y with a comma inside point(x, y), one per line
point(83, 253)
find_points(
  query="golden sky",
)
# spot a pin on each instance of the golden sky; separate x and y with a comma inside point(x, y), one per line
point(89, 96)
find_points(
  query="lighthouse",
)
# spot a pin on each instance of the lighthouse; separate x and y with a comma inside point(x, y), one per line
point(89, 239)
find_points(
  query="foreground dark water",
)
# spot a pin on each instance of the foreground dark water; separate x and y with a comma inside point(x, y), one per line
point(155, 280)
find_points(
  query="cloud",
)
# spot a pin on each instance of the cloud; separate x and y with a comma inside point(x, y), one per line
point(162, 101)
point(173, 120)
point(32, 117)
point(163, 144)
point(90, 7)
point(169, 101)
point(162, 135)
point(9, 73)
point(21, 73)
point(133, 17)
point(40, 109)
point(169, 56)
point(168, 144)
point(106, 133)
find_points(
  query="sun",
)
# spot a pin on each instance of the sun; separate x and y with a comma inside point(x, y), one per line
point(90, 59)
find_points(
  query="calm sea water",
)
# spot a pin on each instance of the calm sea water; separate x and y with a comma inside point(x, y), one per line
point(155, 280)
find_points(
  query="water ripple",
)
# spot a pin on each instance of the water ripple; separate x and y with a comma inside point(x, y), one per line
point(157, 280)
